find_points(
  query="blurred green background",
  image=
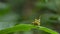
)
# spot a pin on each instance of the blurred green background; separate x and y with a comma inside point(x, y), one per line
point(14, 12)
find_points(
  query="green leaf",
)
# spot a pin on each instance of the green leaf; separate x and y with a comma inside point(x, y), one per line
point(26, 27)
point(47, 30)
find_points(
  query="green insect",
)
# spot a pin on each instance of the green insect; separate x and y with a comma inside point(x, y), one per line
point(36, 22)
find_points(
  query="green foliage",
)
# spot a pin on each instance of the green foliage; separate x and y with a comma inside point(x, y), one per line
point(4, 8)
point(26, 27)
